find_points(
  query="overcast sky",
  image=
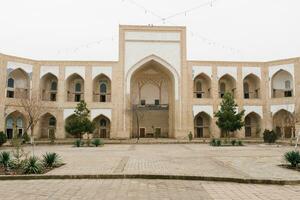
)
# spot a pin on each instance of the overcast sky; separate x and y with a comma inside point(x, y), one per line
point(254, 30)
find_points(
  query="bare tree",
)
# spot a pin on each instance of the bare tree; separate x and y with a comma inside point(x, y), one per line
point(32, 107)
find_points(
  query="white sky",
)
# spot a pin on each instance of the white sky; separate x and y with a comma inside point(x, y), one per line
point(254, 30)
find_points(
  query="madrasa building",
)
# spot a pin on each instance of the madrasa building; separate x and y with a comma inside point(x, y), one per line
point(152, 90)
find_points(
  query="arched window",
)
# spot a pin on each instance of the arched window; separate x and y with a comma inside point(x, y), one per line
point(246, 90)
point(10, 83)
point(287, 84)
point(222, 89)
point(103, 123)
point(52, 121)
point(9, 123)
point(103, 88)
point(20, 122)
point(77, 87)
point(53, 85)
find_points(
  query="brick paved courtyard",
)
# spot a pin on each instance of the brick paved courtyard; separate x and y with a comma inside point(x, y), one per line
point(251, 161)
point(140, 189)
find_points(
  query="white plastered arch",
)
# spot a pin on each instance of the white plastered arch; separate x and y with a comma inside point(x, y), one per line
point(160, 61)
point(208, 109)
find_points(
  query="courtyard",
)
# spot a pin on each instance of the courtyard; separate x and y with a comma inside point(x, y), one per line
point(257, 161)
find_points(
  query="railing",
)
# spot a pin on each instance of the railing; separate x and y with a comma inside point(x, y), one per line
point(97, 97)
point(46, 95)
point(152, 107)
point(71, 96)
point(251, 95)
point(201, 94)
point(278, 93)
point(19, 93)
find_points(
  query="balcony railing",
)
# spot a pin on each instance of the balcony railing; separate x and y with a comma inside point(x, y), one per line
point(251, 95)
point(152, 107)
point(17, 93)
point(277, 93)
point(97, 97)
point(201, 94)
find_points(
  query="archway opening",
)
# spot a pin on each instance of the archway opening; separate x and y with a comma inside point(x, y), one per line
point(282, 84)
point(18, 84)
point(101, 89)
point(49, 87)
point(102, 124)
point(202, 86)
point(227, 84)
point(75, 88)
point(251, 85)
point(47, 126)
point(15, 124)
point(252, 125)
point(152, 100)
point(202, 123)
point(284, 124)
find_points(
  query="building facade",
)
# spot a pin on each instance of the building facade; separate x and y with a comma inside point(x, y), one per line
point(152, 90)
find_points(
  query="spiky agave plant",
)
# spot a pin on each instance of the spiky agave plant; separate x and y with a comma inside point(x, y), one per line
point(51, 159)
point(33, 166)
point(5, 159)
point(293, 157)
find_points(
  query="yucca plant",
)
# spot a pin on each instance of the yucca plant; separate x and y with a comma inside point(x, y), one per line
point(32, 166)
point(51, 160)
point(78, 143)
point(293, 157)
point(5, 159)
point(96, 142)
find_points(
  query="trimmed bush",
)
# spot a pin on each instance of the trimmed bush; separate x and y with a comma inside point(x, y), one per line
point(213, 142)
point(51, 160)
point(293, 157)
point(97, 142)
point(218, 143)
point(233, 142)
point(240, 143)
point(5, 159)
point(270, 136)
point(190, 136)
point(78, 143)
point(3, 138)
point(33, 166)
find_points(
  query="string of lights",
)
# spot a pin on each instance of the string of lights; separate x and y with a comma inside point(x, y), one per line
point(164, 20)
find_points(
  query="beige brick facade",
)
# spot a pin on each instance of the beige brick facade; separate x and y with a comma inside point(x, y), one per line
point(179, 95)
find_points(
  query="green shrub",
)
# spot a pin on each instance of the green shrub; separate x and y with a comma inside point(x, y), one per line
point(218, 143)
point(3, 138)
point(78, 143)
point(26, 137)
point(240, 143)
point(96, 142)
point(270, 136)
point(190, 136)
point(33, 166)
point(293, 157)
point(5, 159)
point(51, 160)
point(213, 142)
point(233, 142)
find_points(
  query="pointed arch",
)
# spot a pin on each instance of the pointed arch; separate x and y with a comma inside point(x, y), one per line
point(279, 84)
point(102, 88)
point(251, 86)
point(202, 86)
point(202, 123)
point(163, 63)
point(227, 83)
point(252, 124)
point(49, 87)
point(73, 83)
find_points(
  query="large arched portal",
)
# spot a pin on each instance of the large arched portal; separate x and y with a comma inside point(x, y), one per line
point(152, 97)
point(283, 124)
